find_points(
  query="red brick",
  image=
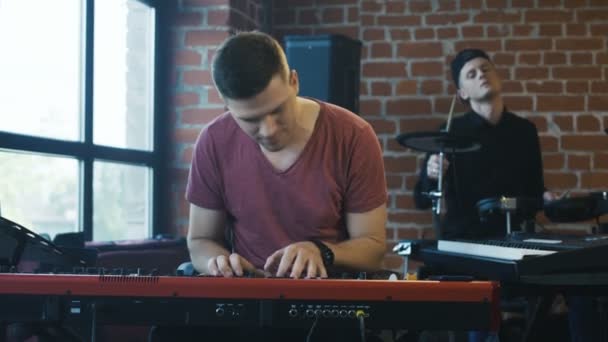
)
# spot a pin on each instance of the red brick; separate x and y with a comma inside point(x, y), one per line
point(307, 17)
point(553, 161)
point(349, 31)
point(554, 58)
point(598, 103)
point(549, 3)
point(577, 87)
point(424, 33)
point(188, 19)
point(470, 4)
point(507, 59)
point(370, 34)
point(383, 126)
point(518, 103)
point(587, 123)
point(581, 58)
point(576, 30)
point(333, 15)
point(546, 87)
point(395, 7)
point(564, 122)
point(427, 68)
point(584, 142)
point(599, 29)
point(546, 15)
point(600, 161)
point(371, 6)
point(353, 14)
point(213, 96)
point(218, 17)
point(197, 77)
point(548, 143)
point(599, 87)
point(370, 107)
point(592, 15)
point(492, 17)
point(431, 87)
point(419, 125)
point(408, 106)
point(384, 69)
point(406, 88)
point(411, 217)
point(487, 45)
point(601, 58)
point(568, 44)
point(550, 30)
point(523, 30)
point(512, 87)
point(400, 164)
point(531, 73)
point(498, 31)
point(501, 4)
point(405, 201)
point(381, 89)
point(187, 57)
point(381, 50)
point(575, 3)
point(399, 34)
point(528, 44)
point(204, 3)
point(446, 19)
point(368, 20)
point(539, 121)
point(420, 50)
point(442, 105)
point(559, 180)
point(472, 31)
point(399, 20)
point(560, 103)
point(579, 162)
point(205, 37)
point(447, 32)
point(394, 182)
point(186, 99)
point(416, 6)
point(594, 180)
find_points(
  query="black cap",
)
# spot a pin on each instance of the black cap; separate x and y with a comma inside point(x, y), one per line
point(462, 58)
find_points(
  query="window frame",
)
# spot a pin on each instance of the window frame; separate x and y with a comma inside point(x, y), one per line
point(86, 152)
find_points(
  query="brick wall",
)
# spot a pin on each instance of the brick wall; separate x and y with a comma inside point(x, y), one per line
point(552, 55)
point(198, 28)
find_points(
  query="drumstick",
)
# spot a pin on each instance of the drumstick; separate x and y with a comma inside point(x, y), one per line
point(447, 128)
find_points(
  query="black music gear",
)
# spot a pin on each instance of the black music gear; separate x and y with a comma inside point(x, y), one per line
point(577, 209)
point(435, 142)
point(520, 207)
point(519, 256)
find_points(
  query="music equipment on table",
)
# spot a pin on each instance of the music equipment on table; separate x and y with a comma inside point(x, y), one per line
point(252, 302)
point(520, 206)
point(519, 256)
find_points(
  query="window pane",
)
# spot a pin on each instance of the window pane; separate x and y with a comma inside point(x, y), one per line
point(40, 67)
point(123, 74)
point(121, 201)
point(40, 192)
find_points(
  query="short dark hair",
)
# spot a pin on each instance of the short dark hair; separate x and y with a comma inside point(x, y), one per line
point(461, 59)
point(245, 63)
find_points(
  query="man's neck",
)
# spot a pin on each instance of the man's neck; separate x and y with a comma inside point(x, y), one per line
point(491, 110)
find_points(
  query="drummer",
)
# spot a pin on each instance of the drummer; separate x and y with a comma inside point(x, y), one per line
point(507, 164)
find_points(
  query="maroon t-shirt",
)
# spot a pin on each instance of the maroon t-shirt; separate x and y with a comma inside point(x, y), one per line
point(340, 170)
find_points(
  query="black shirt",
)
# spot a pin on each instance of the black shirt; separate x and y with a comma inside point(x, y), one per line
point(507, 164)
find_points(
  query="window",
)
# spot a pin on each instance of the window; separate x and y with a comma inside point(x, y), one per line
point(79, 128)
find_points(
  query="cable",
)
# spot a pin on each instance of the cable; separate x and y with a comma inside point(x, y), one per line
point(312, 328)
point(361, 316)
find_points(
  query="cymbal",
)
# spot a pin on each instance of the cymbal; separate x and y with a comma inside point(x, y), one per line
point(435, 142)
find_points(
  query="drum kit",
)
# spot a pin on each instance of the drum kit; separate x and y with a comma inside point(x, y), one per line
point(563, 210)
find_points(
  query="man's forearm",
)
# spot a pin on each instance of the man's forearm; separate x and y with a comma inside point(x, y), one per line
point(364, 254)
point(201, 250)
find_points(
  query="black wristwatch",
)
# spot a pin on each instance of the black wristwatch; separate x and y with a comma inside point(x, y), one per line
point(326, 253)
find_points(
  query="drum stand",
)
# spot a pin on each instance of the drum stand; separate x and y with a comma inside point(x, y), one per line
point(437, 197)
